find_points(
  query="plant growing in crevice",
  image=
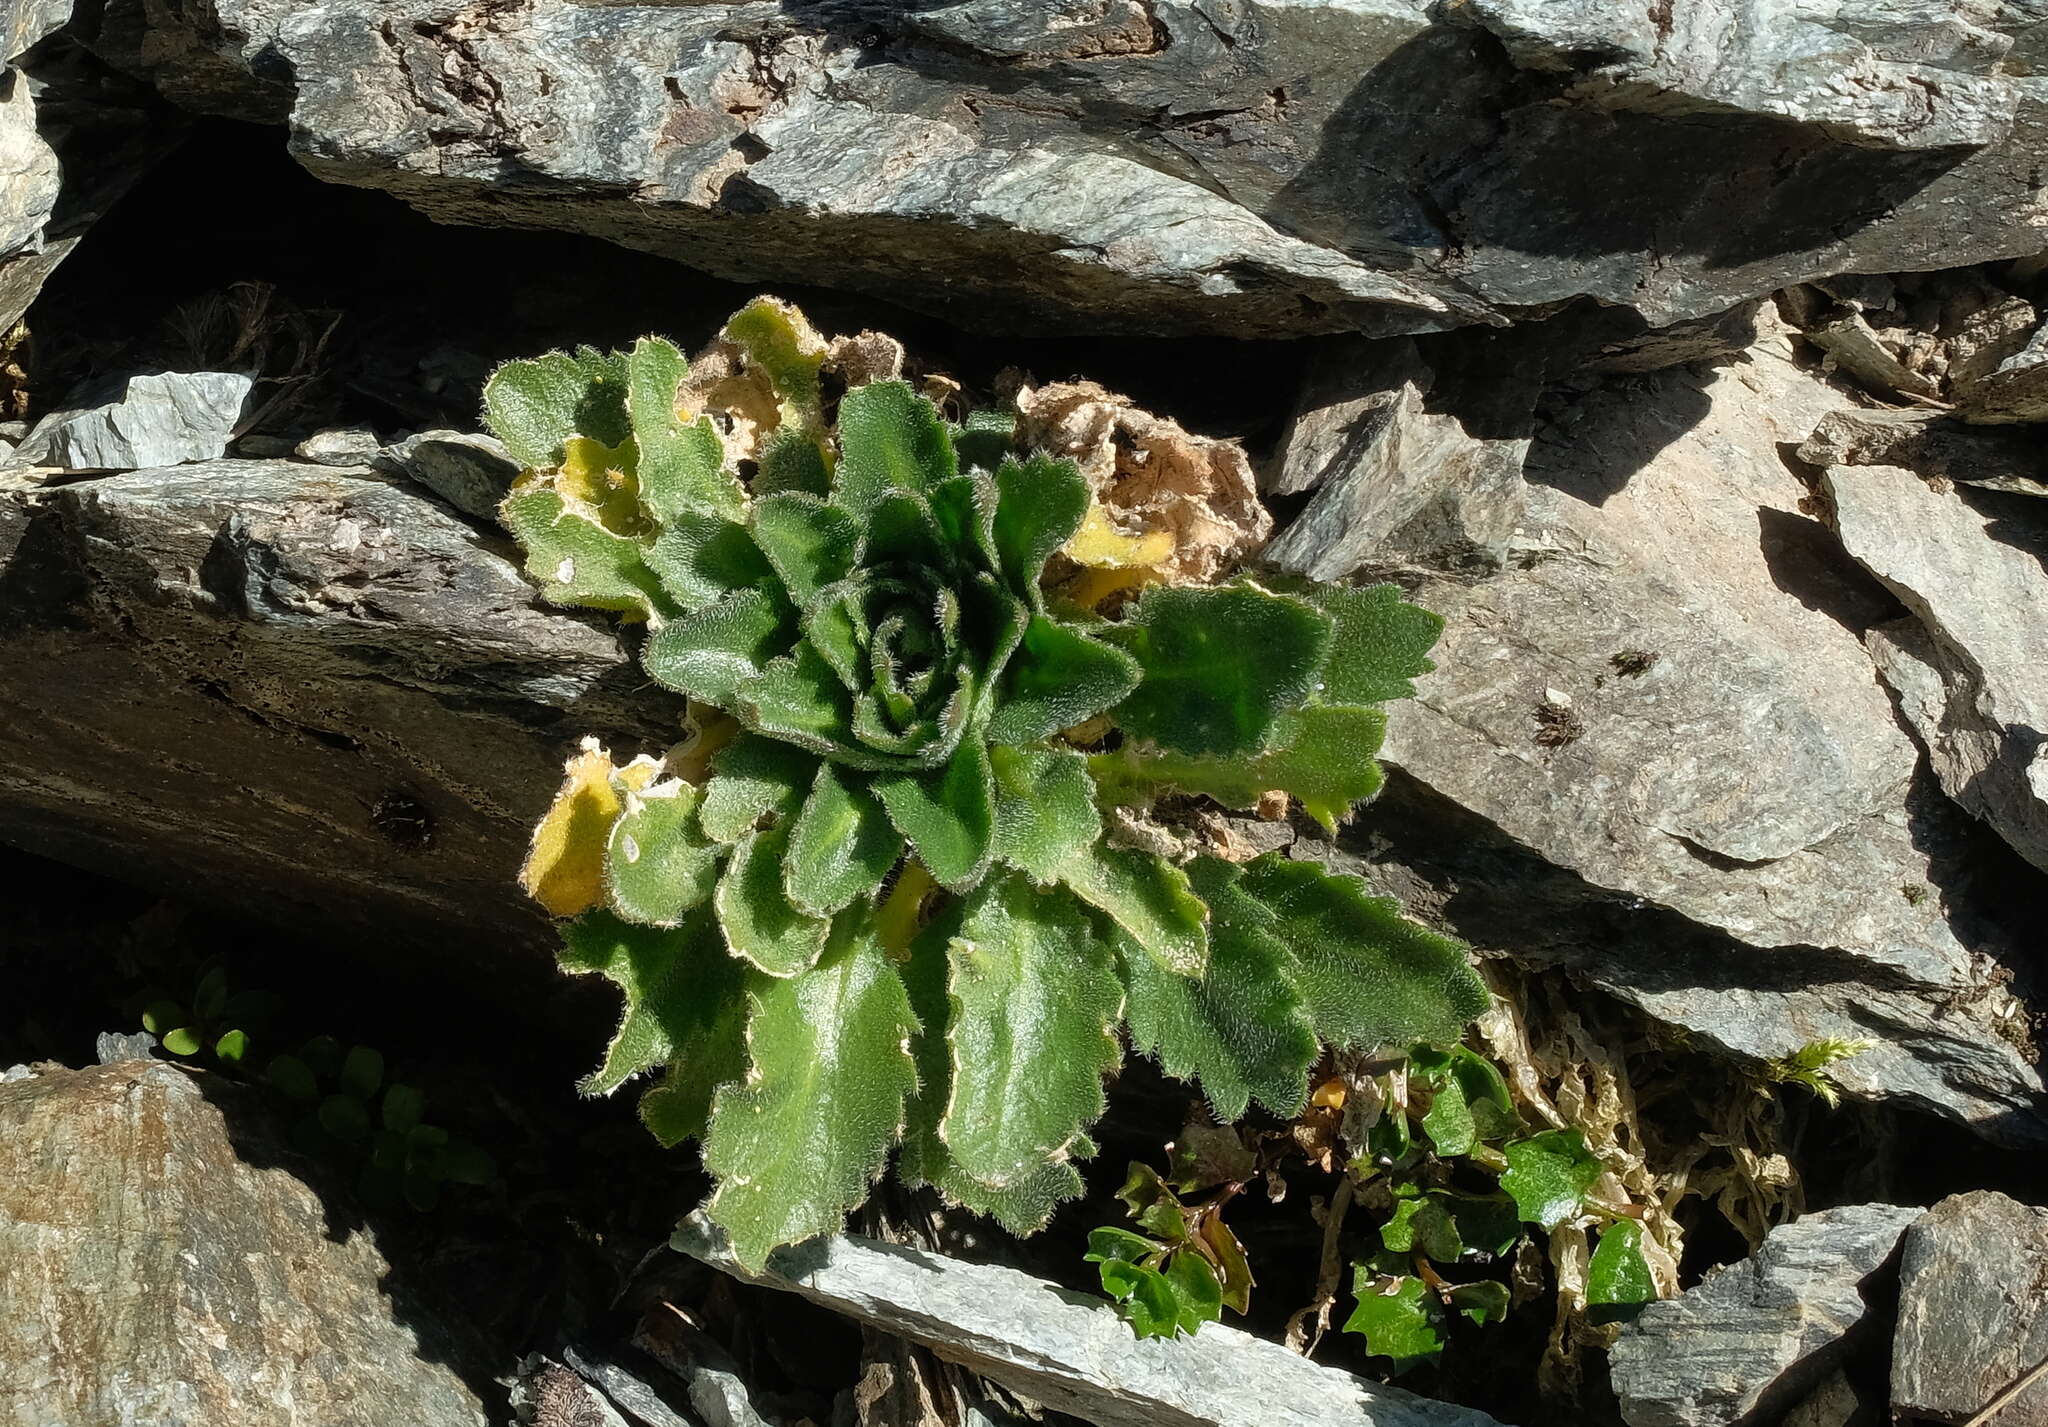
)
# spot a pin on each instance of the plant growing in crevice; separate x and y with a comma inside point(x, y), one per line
point(869, 901)
point(1451, 1181)
point(348, 1110)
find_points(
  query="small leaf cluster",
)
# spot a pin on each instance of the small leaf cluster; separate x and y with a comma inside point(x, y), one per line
point(353, 1113)
point(213, 1022)
point(870, 906)
point(1462, 1178)
point(1187, 1266)
point(350, 1113)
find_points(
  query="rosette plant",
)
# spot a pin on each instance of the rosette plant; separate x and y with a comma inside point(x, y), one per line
point(868, 903)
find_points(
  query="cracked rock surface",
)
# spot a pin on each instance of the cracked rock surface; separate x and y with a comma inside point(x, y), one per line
point(158, 1264)
point(314, 685)
point(1968, 673)
point(1665, 691)
point(1754, 1336)
point(1247, 168)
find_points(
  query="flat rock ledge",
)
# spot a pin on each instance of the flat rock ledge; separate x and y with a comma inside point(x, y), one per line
point(1069, 1352)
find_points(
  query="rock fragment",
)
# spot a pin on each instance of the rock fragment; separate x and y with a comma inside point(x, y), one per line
point(340, 446)
point(1973, 568)
point(1930, 444)
point(140, 422)
point(471, 472)
point(1407, 469)
point(1752, 1338)
point(1973, 1311)
point(2015, 390)
point(150, 1273)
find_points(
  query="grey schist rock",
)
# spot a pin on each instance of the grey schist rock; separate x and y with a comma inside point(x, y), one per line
point(1664, 693)
point(1931, 444)
point(340, 446)
point(1406, 467)
point(470, 471)
point(1167, 166)
point(151, 1273)
point(1752, 1338)
point(1973, 568)
point(2015, 390)
point(308, 692)
point(140, 422)
point(1071, 1353)
point(1973, 1311)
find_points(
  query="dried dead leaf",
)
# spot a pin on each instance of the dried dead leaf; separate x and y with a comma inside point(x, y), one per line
point(1151, 478)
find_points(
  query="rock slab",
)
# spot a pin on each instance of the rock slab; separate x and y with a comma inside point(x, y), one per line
point(1973, 1311)
point(1169, 166)
point(1071, 1353)
point(1664, 692)
point(149, 1274)
point(140, 422)
point(1973, 567)
point(1753, 1338)
point(315, 694)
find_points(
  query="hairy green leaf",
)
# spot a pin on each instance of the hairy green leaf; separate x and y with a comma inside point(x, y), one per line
point(1039, 506)
point(1399, 1318)
point(1035, 1002)
point(700, 558)
point(684, 997)
point(792, 461)
point(948, 815)
point(1548, 1174)
point(658, 863)
point(890, 439)
point(1045, 810)
point(1381, 644)
point(759, 921)
point(1057, 678)
point(753, 778)
point(842, 846)
point(1220, 665)
point(535, 406)
point(1241, 1030)
point(1322, 755)
point(711, 652)
point(1149, 899)
point(1369, 976)
point(1022, 1207)
point(797, 1140)
point(681, 463)
point(579, 562)
point(810, 543)
point(983, 440)
point(797, 697)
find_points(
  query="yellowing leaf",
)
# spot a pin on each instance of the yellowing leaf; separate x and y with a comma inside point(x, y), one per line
point(602, 478)
point(1100, 543)
point(564, 869)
